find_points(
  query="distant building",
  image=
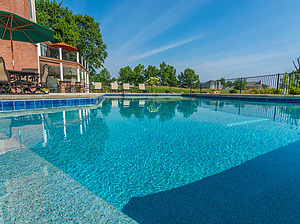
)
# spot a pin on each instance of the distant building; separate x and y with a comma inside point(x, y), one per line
point(254, 85)
point(212, 84)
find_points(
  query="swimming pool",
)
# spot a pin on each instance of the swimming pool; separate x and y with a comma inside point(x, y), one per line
point(132, 147)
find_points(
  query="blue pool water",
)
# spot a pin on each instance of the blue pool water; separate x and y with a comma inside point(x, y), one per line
point(132, 147)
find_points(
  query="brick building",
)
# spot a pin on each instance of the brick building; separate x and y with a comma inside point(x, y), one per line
point(64, 64)
point(25, 54)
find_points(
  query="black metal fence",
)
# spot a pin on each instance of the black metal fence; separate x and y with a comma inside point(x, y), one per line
point(277, 83)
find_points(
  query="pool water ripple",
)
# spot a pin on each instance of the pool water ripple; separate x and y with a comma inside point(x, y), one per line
point(154, 144)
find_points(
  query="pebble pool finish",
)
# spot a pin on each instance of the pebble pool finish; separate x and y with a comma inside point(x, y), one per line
point(34, 191)
point(133, 147)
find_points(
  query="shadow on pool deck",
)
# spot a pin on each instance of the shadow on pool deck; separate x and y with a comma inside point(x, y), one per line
point(263, 190)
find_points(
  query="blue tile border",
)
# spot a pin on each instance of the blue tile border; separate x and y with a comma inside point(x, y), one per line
point(16, 105)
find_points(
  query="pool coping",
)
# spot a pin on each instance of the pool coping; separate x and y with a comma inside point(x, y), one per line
point(268, 98)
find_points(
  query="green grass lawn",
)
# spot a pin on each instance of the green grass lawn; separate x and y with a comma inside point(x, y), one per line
point(162, 89)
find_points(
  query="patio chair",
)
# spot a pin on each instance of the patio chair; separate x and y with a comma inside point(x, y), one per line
point(126, 87)
point(142, 88)
point(52, 85)
point(114, 87)
point(114, 103)
point(98, 87)
point(126, 103)
point(44, 76)
point(142, 103)
point(5, 83)
point(73, 85)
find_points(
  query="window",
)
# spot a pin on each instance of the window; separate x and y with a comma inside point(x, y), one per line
point(30, 10)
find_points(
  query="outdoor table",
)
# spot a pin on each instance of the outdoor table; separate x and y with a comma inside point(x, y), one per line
point(25, 79)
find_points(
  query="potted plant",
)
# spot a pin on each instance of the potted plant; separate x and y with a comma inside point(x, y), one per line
point(45, 90)
point(215, 91)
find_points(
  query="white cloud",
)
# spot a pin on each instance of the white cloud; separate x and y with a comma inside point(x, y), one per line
point(168, 19)
point(161, 49)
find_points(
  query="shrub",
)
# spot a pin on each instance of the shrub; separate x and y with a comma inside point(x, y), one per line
point(270, 91)
point(214, 90)
point(193, 91)
point(233, 91)
point(254, 91)
point(277, 91)
point(294, 91)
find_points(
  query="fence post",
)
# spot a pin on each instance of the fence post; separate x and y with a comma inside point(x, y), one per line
point(241, 85)
point(278, 81)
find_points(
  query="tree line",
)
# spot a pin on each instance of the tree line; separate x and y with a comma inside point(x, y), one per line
point(140, 74)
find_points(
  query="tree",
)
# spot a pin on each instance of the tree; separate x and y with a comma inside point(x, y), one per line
point(103, 76)
point(138, 74)
point(163, 75)
point(125, 75)
point(237, 84)
point(90, 43)
point(229, 83)
point(188, 78)
point(152, 81)
point(151, 71)
point(297, 68)
point(62, 20)
point(167, 74)
point(82, 32)
point(172, 80)
point(223, 82)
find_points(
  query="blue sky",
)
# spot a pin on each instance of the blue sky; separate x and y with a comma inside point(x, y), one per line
point(216, 38)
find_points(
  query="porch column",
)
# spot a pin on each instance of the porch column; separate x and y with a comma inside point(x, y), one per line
point(85, 80)
point(78, 74)
point(65, 124)
point(38, 58)
point(61, 72)
point(87, 83)
point(60, 53)
point(60, 65)
point(80, 125)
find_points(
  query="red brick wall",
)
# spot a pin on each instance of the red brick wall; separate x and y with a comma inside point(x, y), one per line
point(25, 54)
